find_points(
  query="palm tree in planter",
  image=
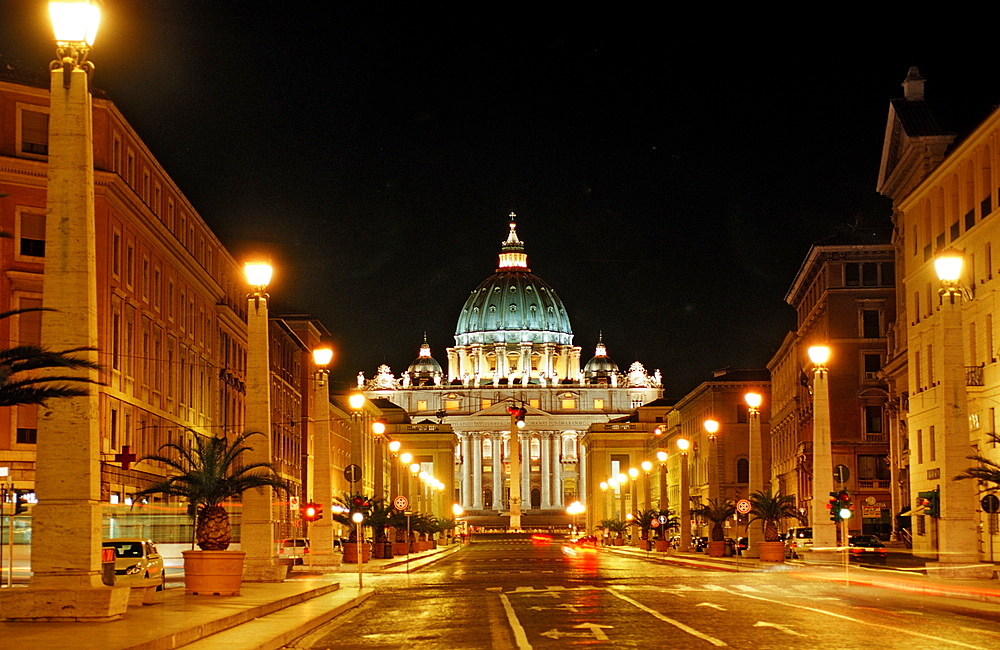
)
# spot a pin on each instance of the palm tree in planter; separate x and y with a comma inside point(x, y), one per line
point(663, 529)
point(617, 527)
point(716, 511)
point(771, 510)
point(644, 520)
point(209, 473)
point(379, 519)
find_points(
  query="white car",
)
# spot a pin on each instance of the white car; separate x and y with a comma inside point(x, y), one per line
point(136, 559)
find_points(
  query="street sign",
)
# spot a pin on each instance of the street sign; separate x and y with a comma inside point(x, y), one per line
point(655, 523)
point(293, 503)
point(400, 503)
point(662, 519)
point(743, 506)
point(352, 473)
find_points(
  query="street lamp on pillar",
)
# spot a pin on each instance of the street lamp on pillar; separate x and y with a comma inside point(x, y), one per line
point(75, 26)
point(622, 479)
point(712, 428)
point(755, 535)
point(356, 401)
point(647, 495)
point(824, 530)
point(258, 526)
point(661, 456)
point(415, 482)
point(604, 500)
point(958, 528)
point(633, 475)
point(394, 446)
point(319, 471)
point(683, 445)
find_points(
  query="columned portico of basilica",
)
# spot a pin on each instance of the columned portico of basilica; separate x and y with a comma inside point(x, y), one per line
point(514, 348)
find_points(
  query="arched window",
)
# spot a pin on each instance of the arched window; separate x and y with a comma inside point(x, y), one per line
point(488, 448)
point(536, 498)
point(742, 470)
point(536, 449)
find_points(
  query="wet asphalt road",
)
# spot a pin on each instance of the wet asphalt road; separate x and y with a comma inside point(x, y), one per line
point(518, 594)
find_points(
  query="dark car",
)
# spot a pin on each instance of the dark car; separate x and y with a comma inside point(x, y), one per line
point(699, 543)
point(867, 549)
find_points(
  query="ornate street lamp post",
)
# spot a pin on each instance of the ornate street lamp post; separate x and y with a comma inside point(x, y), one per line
point(755, 534)
point(661, 456)
point(683, 445)
point(824, 529)
point(321, 532)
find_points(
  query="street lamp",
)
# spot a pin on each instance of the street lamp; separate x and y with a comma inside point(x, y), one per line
point(356, 401)
point(824, 530)
point(958, 534)
point(574, 509)
point(319, 471)
point(647, 495)
point(756, 479)
point(604, 500)
point(683, 445)
point(414, 472)
point(622, 486)
point(661, 456)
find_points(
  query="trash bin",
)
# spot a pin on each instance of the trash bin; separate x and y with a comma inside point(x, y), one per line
point(730, 548)
point(108, 565)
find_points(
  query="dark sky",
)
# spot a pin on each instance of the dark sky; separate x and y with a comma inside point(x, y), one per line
point(668, 171)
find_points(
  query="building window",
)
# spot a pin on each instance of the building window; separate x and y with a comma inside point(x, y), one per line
point(869, 274)
point(871, 324)
point(32, 234)
point(451, 405)
point(129, 265)
point(873, 419)
point(598, 404)
point(34, 132)
point(27, 424)
point(421, 405)
point(852, 275)
point(932, 445)
point(116, 254)
point(873, 364)
point(742, 470)
point(920, 446)
point(742, 414)
point(485, 403)
point(873, 468)
point(568, 404)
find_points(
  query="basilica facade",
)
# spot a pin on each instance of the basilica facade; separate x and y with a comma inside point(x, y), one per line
point(514, 349)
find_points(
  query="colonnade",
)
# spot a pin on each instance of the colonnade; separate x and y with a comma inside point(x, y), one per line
point(548, 477)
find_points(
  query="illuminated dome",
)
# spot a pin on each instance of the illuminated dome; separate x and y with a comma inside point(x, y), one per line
point(601, 365)
point(513, 305)
point(424, 364)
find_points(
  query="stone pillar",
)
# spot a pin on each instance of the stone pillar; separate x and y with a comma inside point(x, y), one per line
point(582, 485)
point(824, 530)
point(497, 439)
point(755, 533)
point(454, 370)
point(66, 562)
point(545, 473)
point(477, 471)
point(321, 532)
point(526, 470)
point(558, 498)
point(466, 472)
point(524, 362)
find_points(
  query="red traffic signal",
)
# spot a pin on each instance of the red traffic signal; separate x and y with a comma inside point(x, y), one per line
point(311, 512)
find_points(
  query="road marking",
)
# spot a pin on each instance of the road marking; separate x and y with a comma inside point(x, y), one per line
point(712, 605)
point(595, 632)
point(856, 620)
point(666, 619)
point(564, 606)
point(784, 629)
point(747, 588)
point(515, 625)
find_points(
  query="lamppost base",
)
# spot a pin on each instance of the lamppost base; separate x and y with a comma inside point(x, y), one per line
point(64, 605)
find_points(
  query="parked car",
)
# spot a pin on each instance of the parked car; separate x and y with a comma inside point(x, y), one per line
point(867, 549)
point(798, 539)
point(699, 543)
point(136, 559)
point(294, 549)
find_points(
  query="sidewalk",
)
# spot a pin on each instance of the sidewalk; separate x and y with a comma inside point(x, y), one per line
point(906, 580)
point(264, 616)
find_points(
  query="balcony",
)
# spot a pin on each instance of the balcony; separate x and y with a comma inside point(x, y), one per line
point(974, 375)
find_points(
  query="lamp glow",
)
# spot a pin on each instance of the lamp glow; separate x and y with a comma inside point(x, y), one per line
point(356, 400)
point(75, 22)
point(322, 356)
point(948, 266)
point(457, 510)
point(406, 458)
point(258, 274)
point(415, 468)
point(661, 456)
point(604, 485)
point(712, 426)
point(378, 427)
point(633, 472)
point(819, 354)
point(646, 465)
point(753, 401)
point(357, 517)
point(394, 445)
point(683, 444)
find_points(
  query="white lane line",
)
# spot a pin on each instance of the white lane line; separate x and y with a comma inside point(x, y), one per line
point(519, 636)
point(786, 630)
point(857, 620)
point(666, 619)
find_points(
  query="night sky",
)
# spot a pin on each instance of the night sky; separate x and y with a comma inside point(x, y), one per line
point(668, 172)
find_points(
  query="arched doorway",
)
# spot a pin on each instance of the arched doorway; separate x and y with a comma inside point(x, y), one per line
point(536, 498)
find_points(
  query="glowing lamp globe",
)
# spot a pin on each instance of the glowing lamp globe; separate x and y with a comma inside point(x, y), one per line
point(948, 266)
point(75, 22)
point(322, 356)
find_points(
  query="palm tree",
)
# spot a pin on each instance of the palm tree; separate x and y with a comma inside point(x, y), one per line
point(208, 474)
point(663, 530)
point(644, 520)
point(772, 510)
point(20, 382)
point(988, 471)
point(717, 512)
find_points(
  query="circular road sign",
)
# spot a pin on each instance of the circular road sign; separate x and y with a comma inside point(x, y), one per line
point(655, 523)
point(662, 519)
point(352, 473)
point(400, 503)
point(743, 506)
point(990, 503)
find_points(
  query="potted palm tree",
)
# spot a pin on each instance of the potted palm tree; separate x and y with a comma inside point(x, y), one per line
point(663, 529)
point(343, 508)
point(379, 519)
point(644, 520)
point(617, 527)
point(771, 510)
point(716, 511)
point(209, 474)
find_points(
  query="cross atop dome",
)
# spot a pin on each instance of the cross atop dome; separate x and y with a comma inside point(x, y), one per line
point(512, 255)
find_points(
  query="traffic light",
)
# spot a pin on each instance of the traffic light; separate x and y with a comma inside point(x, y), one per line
point(311, 512)
point(834, 506)
point(360, 503)
point(20, 503)
point(846, 507)
point(519, 412)
point(931, 502)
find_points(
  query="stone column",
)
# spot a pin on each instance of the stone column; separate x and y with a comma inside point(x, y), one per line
point(497, 439)
point(321, 532)
point(66, 562)
point(477, 471)
point(526, 471)
point(545, 473)
point(558, 499)
point(466, 472)
point(582, 486)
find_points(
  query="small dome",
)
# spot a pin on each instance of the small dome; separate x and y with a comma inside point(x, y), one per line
point(601, 364)
point(424, 366)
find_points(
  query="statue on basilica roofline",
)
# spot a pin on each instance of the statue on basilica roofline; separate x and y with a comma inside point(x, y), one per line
point(361, 381)
point(637, 377)
point(384, 380)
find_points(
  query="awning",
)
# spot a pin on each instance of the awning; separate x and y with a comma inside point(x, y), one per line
point(918, 510)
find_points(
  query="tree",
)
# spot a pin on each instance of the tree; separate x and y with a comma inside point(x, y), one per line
point(988, 471)
point(20, 382)
point(644, 520)
point(772, 510)
point(717, 512)
point(208, 474)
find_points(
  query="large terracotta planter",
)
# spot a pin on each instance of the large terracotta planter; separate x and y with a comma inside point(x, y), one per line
point(213, 573)
point(662, 545)
point(771, 551)
point(351, 553)
point(619, 542)
point(399, 548)
point(716, 549)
